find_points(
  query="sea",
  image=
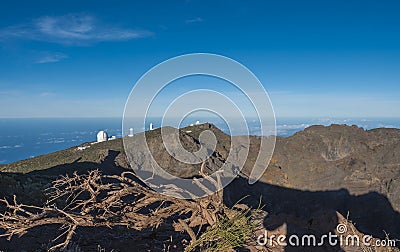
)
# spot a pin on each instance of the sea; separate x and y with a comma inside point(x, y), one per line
point(22, 138)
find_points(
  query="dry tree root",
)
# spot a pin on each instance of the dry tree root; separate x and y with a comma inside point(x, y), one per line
point(95, 200)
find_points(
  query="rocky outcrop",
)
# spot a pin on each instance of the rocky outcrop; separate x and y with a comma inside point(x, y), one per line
point(340, 156)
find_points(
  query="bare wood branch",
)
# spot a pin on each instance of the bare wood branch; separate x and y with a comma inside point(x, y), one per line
point(91, 203)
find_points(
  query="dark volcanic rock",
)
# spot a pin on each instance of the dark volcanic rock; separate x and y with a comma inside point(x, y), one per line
point(339, 156)
point(189, 139)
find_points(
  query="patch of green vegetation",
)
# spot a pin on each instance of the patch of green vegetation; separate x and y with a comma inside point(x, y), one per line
point(226, 234)
point(68, 156)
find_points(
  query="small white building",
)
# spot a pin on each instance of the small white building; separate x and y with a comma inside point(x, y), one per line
point(151, 126)
point(130, 132)
point(102, 136)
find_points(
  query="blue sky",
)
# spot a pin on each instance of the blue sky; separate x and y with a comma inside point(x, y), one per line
point(315, 58)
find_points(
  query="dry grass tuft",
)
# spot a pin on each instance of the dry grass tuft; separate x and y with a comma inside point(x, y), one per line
point(226, 234)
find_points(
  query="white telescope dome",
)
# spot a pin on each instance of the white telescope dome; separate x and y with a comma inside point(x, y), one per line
point(130, 132)
point(102, 136)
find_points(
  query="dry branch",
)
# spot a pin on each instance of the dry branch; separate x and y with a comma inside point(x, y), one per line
point(94, 200)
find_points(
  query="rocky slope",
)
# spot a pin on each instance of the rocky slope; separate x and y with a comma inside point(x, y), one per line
point(312, 174)
point(318, 158)
point(338, 156)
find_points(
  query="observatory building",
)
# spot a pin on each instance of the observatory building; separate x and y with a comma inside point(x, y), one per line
point(130, 132)
point(102, 136)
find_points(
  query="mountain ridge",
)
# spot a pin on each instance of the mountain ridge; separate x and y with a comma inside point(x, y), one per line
point(317, 158)
point(315, 176)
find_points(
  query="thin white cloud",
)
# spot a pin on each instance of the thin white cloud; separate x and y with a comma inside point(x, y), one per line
point(10, 147)
point(70, 29)
point(194, 20)
point(45, 94)
point(50, 58)
point(8, 93)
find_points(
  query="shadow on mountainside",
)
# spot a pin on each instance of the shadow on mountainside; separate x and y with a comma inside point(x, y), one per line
point(303, 212)
point(106, 166)
point(30, 189)
point(308, 212)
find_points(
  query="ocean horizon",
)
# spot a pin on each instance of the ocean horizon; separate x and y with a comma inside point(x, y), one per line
point(23, 138)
